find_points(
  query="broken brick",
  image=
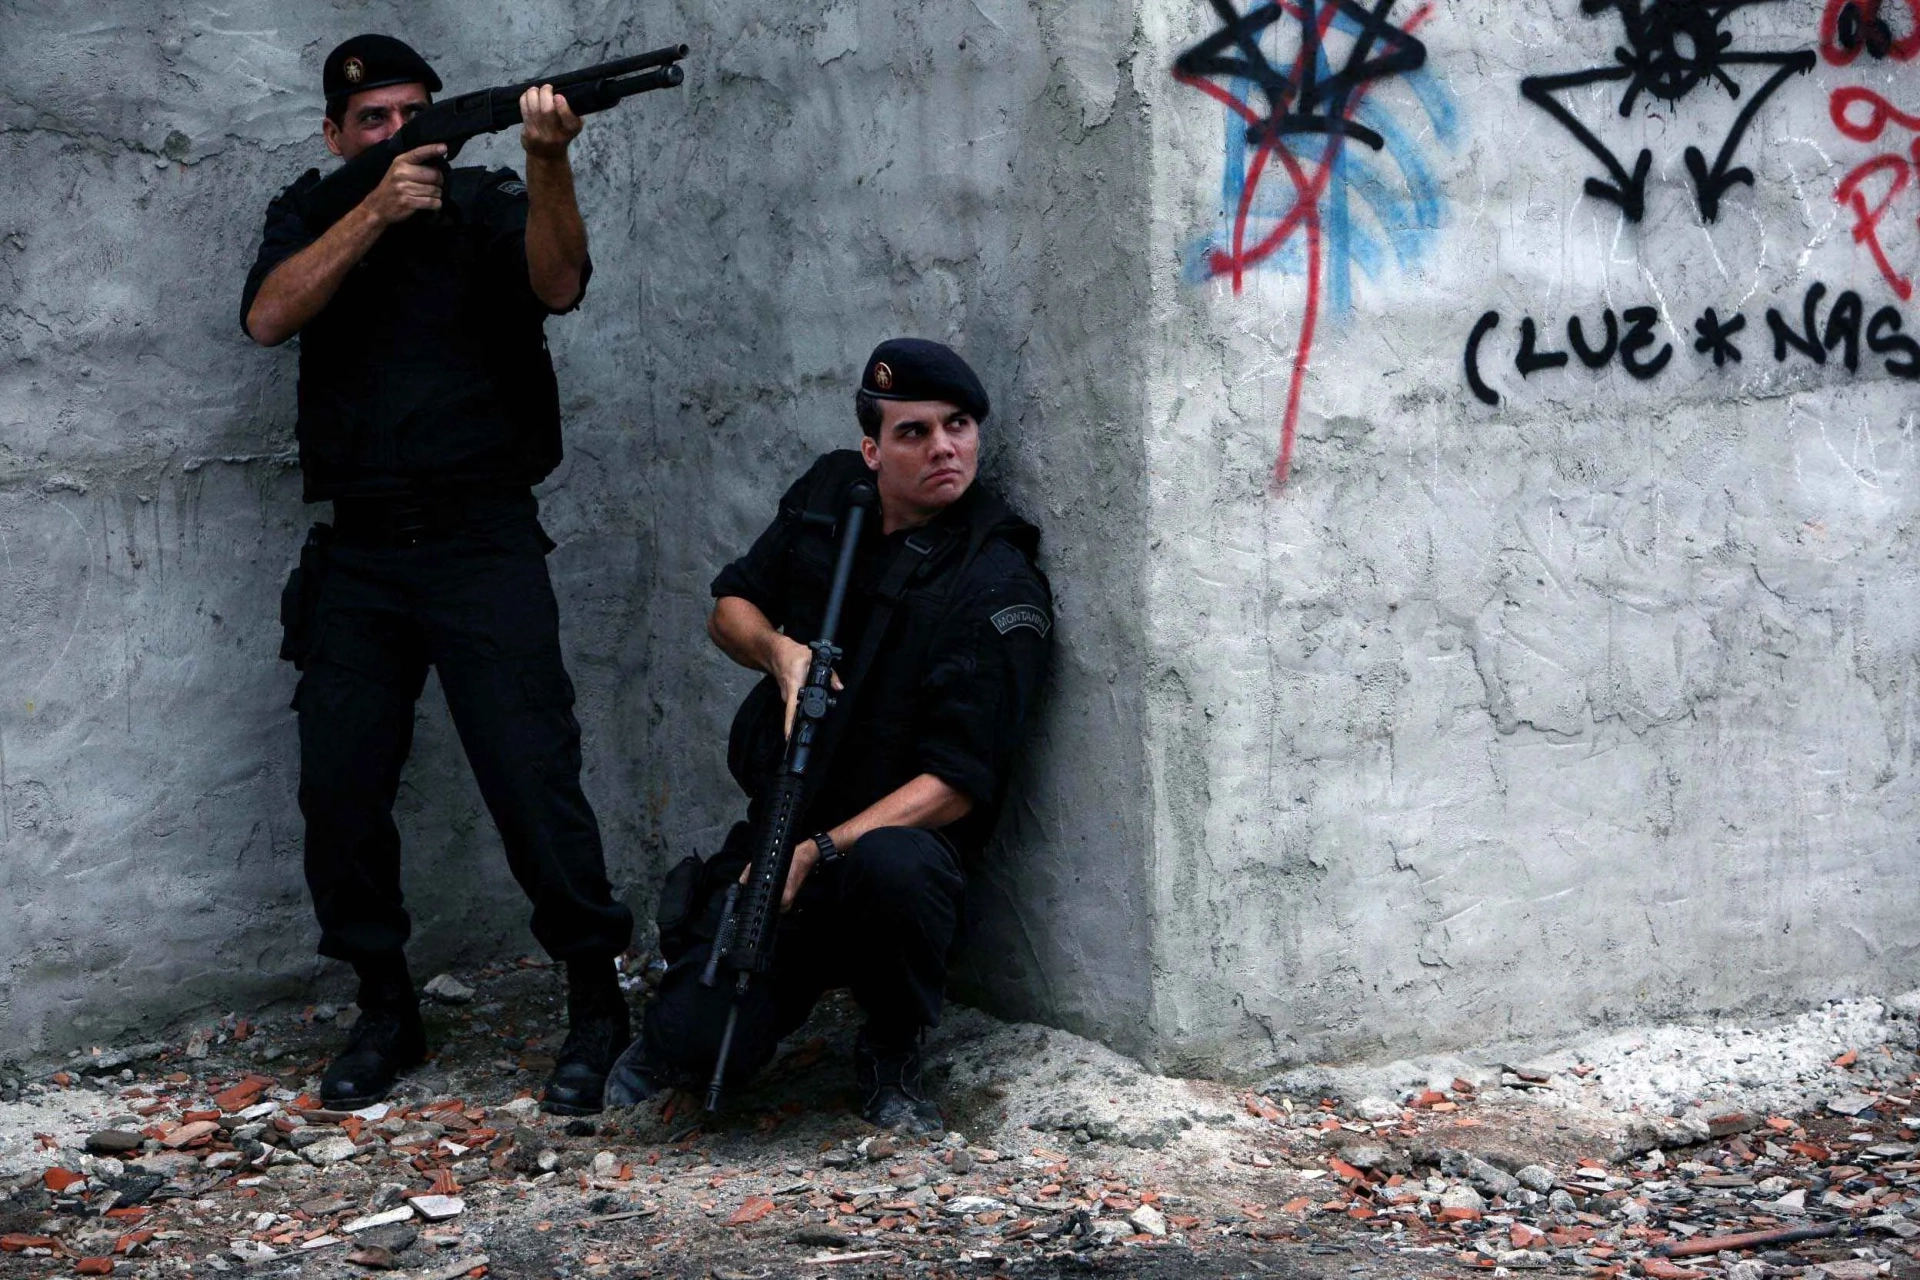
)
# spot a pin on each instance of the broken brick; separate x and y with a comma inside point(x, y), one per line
point(58, 1180)
point(754, 1209)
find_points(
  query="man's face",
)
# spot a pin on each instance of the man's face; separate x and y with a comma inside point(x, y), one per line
point(374, 116)
point(923, 459)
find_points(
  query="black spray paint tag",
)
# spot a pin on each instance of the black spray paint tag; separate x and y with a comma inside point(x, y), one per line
point(1023, 615)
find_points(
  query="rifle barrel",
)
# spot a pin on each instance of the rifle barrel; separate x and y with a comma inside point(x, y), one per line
point(665, 57)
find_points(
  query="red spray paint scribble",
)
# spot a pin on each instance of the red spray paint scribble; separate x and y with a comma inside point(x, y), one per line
point(1304, 213)
point(1866, 13)
point(1848, 28)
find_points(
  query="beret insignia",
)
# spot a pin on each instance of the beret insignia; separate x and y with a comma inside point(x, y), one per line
point(354, 70)
point(883, 376)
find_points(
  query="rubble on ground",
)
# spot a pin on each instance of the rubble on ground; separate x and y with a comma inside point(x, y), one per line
point(1639, 1155)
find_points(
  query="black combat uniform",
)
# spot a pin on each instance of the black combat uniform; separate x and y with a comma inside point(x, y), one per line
point(427, 411)
point(950, 690)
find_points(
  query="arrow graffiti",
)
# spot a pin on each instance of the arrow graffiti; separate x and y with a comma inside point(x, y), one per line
point(1671, 48)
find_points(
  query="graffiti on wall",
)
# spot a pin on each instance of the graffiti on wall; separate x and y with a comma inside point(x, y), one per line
point(1813, 333)
point(1671, 51)
point(1872, 189)
point(1307, 145)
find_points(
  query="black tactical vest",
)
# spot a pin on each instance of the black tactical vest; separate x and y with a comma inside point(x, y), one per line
point(428, 370)
point(873, 747)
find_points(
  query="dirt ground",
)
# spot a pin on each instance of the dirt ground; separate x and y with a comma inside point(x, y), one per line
point(212, 1157)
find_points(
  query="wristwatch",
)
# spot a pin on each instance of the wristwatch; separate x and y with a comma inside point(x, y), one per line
point(829, 851)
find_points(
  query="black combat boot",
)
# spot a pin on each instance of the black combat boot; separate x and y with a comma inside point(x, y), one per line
point(387, 1040)
point(632, 1081)
point(888, 1070)
point(597, 1030)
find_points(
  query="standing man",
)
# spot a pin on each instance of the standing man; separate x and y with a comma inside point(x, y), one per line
point(428, 410)
point(946, 629)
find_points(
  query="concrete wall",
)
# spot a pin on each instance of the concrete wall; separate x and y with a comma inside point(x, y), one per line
point(826, 179)
point(1576, 698)
point(1591, 705)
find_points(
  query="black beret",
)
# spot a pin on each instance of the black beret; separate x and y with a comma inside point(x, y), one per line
point(915, 369)
point(374, 62)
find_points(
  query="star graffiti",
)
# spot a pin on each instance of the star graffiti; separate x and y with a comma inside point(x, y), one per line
point(1310, 95)
point(1671, 49)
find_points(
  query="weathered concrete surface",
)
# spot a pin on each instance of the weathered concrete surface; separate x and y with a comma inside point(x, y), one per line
point(825, 179)
point(1593, 706)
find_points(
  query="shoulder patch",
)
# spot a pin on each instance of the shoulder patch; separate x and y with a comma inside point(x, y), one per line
point(512, 187)
point(1029, 616)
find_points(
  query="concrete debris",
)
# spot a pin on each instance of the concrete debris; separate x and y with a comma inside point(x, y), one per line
point(98, 1060)
point(215, 1163)
point(963, 1205)
point(448, 989)
point(113, 1142)
point(1376, 1109)
point(1535, 1178)
point(439, 1208)
point(1149, 1219)
point(372, 1220)
point(329, 1151)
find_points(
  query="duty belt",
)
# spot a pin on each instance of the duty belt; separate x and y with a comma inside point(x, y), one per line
point(406, 520)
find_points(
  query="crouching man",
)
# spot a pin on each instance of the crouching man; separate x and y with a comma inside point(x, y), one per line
point(945, 632)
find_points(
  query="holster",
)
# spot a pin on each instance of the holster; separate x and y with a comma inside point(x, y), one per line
point(300, 598)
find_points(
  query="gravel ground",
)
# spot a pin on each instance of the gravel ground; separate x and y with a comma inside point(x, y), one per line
point(1616, 1157)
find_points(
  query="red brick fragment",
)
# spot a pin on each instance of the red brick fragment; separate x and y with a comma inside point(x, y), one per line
point(94, 1266)
point(242, 1095)
point(58, 1179)
point(754, 1209)
point(1660, 1269)
point(17, 1241)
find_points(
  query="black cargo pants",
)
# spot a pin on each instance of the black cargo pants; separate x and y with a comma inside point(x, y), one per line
point(883, 920)
point(474, 602)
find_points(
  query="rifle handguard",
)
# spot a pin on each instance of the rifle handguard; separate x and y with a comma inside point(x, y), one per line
point(745, 941)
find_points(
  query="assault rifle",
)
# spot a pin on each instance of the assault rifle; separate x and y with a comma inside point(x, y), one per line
point(457, 119)
point(751, 914)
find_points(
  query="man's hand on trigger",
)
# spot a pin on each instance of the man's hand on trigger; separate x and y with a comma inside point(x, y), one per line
point(792, 661)
point(413, 182)
point(806, 855)
point(548, 124)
